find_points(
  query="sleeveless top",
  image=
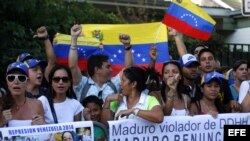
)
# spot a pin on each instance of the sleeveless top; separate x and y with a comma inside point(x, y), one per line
point(146, 102)
point(181, 112)
point(15, 123)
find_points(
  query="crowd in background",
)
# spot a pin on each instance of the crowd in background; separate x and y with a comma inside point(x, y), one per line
point(41, 92)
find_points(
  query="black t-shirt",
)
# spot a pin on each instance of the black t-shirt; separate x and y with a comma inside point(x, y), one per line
point(193, 91)
point(42, 91)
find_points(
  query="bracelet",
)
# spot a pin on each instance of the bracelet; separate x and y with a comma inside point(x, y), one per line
point(152, 60)
point(73, 47)
point(171, 97)
point(47, 37)
point(136, 111)
point(44, 38)
point(106, 108)
point(128, 48)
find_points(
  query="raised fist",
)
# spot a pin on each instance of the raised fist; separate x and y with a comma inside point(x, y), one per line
point(76, 30)
point(41, 33)
point(125, 39)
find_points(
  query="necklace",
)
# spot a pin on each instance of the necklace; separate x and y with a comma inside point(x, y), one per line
point(206, 107)
point(20, 106)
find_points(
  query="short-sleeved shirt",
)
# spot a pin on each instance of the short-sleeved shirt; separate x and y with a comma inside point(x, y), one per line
point(95, 89)
point(146, 102)
point(65, 111)
point(244, 87)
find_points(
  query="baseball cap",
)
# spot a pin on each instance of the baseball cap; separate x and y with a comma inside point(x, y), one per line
point(188, 59)
point(31, 63)
point(24, 56)
point(208, 77)
point(17, 66)
point(230, 77)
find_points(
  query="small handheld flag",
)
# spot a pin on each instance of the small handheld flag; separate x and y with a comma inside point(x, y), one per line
point(189, 19)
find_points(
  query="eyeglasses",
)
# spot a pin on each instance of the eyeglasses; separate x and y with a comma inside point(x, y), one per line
point(20, 78)
point(64, 79)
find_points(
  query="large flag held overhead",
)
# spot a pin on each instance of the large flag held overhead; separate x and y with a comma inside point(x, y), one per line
point(190, 19)
point(86, 46)
point(142, 38)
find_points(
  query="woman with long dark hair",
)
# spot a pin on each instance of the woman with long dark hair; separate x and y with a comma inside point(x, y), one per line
point(61, 97)
point(173, 100)
point(133, 102)
point(210, 102)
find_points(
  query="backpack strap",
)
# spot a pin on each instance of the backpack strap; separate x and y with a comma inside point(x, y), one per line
point(85, 90)
point(51, 105)
point(87, 86)
point(112, 85)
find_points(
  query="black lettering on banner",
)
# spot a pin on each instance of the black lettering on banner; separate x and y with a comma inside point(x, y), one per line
point(241, 132)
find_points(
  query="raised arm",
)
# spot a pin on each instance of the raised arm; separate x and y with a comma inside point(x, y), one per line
point(42, 33)
point(125, 40)
point(178, 40)
point(172, 94)
point(73, 54)
point(153, 56)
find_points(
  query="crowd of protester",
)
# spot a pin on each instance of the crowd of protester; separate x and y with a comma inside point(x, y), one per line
point(45, 92)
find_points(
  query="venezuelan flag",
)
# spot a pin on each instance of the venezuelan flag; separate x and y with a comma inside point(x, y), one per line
point(86, 46)
point(190, 19)
point(142, 38)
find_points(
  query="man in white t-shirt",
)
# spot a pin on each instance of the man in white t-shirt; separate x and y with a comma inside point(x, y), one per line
point(99, 69)
point(244, 96)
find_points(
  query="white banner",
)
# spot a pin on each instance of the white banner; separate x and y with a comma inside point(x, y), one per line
point(176, 128)
point(78, 131)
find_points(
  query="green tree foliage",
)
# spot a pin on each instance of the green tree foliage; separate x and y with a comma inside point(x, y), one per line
point(20, 18)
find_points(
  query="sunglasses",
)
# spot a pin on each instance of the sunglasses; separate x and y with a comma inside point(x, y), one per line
point(20, 78)
point(64, 79)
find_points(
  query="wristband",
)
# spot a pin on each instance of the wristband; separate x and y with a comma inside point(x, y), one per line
point(171, 97)
point(44, 38)
point(128, 48)
point(73, 47)
point(47, 37)
point(136, 111)
point(152, 60)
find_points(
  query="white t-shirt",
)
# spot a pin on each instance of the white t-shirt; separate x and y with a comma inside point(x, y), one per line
point(244, 87)
point(65, 111)
point(95, 89)
point(15, 123)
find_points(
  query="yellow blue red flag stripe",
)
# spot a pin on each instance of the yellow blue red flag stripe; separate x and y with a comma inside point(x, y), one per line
point(188, 18)
point(142, 38)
